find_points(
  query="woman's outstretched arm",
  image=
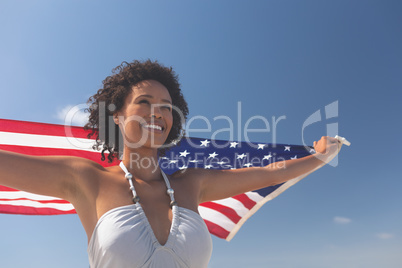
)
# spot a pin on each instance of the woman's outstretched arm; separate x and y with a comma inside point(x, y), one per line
point(219, 184)
point(46, 175)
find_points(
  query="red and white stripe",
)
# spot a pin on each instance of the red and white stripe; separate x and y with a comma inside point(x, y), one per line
point(19, 202)
point(225, 217)
point(41, 139)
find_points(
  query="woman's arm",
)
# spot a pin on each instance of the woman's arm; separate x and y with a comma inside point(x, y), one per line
point(46, 175)
point(219, 184)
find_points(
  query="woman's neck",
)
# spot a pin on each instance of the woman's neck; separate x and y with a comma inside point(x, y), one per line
point(142, 163)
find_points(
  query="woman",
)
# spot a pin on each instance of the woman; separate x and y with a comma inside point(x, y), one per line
point(135, 215)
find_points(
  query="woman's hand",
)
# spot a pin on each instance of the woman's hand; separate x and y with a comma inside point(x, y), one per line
point(327, 148)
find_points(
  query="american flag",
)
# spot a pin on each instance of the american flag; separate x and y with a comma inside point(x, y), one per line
point(223, 217)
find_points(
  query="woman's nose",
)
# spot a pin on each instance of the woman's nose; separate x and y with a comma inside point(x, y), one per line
point(156, 112)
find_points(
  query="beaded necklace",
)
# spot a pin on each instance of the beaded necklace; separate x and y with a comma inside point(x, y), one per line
point(136, 198)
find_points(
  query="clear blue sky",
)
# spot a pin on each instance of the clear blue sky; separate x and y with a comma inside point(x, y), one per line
point(278, 58)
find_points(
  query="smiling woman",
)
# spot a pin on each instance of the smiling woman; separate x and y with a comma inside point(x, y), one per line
point(136, 215)
point(130, 85)
point(143, 109)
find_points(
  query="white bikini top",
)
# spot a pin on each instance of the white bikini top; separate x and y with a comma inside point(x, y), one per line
point(123, 238)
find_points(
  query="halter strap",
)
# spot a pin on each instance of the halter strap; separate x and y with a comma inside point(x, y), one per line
point(136, 198)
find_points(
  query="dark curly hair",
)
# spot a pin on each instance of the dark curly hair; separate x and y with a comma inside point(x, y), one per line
point(111, 97)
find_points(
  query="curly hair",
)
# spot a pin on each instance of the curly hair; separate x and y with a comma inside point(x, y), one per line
point(113, 94)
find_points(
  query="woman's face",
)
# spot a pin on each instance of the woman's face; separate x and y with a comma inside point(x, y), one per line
point(146, 117)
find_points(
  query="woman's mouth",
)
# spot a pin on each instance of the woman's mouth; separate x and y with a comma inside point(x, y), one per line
point(153, 128)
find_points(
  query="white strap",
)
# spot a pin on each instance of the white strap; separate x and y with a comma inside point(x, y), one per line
point(123, 167)
point(170, 191)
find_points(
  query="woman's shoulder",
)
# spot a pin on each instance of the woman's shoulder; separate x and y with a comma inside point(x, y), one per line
point(191, 177)
point(187, 174)
point(89, 174)
point(91, 178)
point(191, 173)
point(85, 167)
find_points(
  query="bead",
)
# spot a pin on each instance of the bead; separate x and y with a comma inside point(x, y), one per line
point(136, 199)
point(170, 191)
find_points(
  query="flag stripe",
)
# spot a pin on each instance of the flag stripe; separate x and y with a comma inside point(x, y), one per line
point(4, 188)
point(229, 212)
point(21, 194)
point(236, 205)
point(35, 204)
point(40, 201)
point(245, 200)
point(46, 141)
point(217, 230)
point(18, 209)
point(26, 127)
point(213, 216)
point(254, 196)
point(28, 150)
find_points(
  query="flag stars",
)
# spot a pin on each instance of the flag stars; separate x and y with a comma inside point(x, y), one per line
point(261, 146)
point(194, 161)
point(294, 157)
point(248, 165)
point(183, 167)
point(184, 154)
point(213, 155)
point(287, 148)
point(312, 151)
point(173, 161)
point(241, 156)
point(205, 143)
point(233, 144)
point(207, 166)
point(267, 157)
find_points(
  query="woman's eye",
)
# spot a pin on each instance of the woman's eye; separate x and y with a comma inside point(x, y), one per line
point(163, 106)
point(143, 101)
point(167, 107)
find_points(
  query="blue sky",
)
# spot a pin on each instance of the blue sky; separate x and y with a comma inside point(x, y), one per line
point(277, 58)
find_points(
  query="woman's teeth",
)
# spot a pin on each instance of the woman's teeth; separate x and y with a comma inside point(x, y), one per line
point(153, 127)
